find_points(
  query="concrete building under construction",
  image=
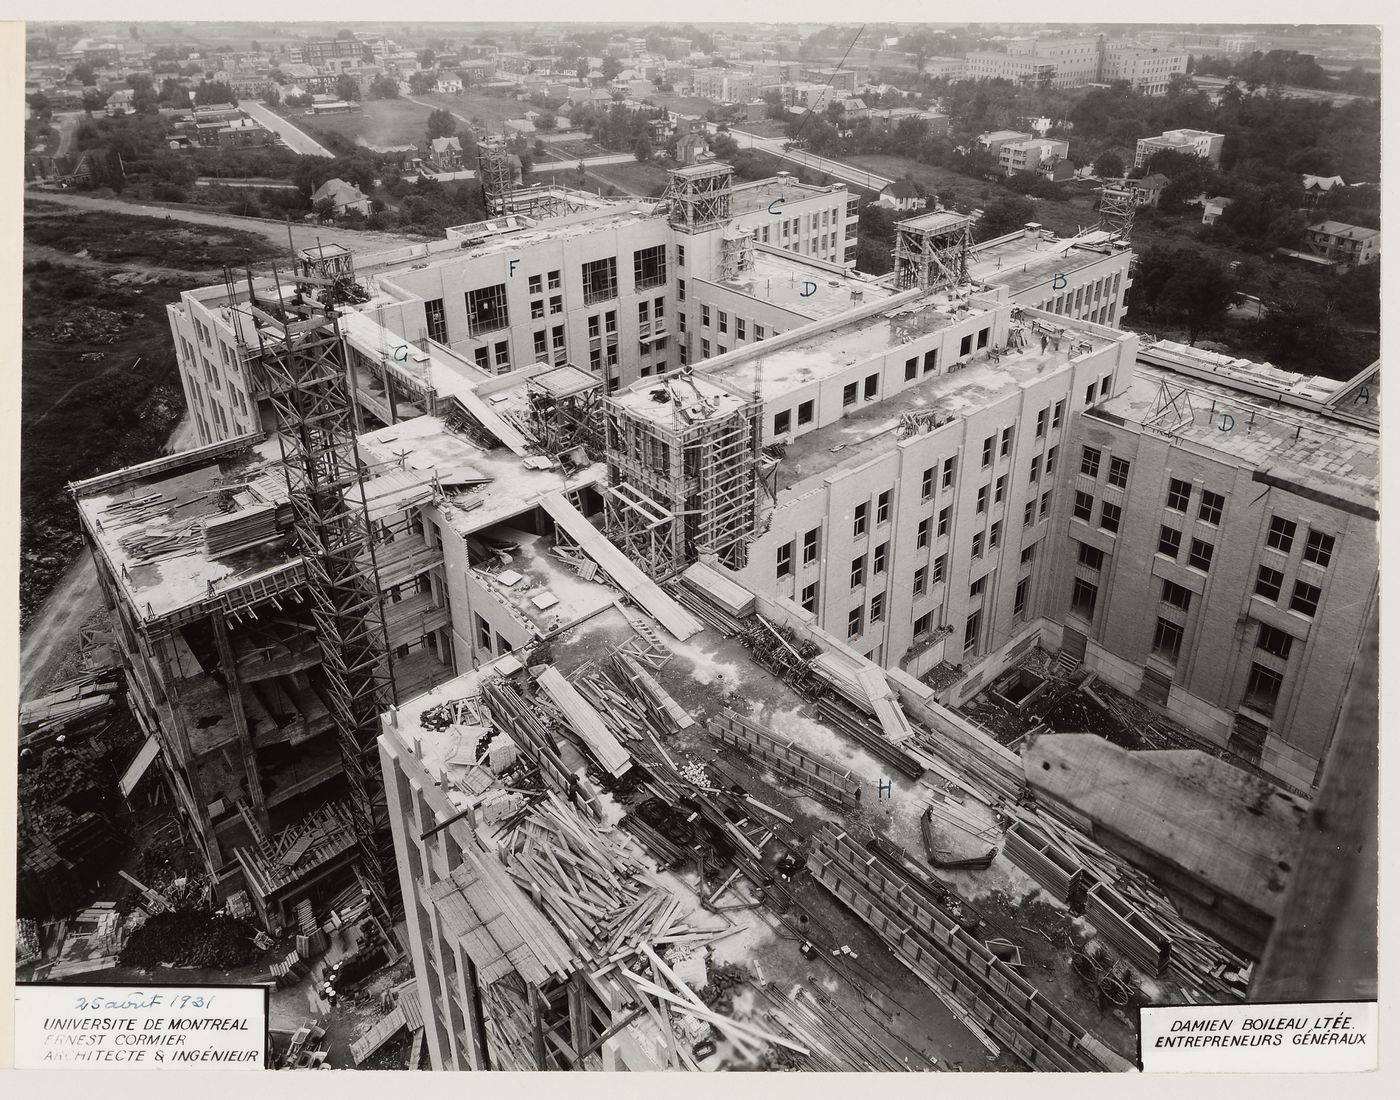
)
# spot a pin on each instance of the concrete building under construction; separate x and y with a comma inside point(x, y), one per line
point(444, 607)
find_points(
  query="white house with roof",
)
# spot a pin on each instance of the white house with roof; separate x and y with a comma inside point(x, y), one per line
point(344, 197)
point(902, 195)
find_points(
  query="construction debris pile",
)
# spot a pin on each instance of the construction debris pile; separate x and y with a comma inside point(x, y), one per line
point(191, 938)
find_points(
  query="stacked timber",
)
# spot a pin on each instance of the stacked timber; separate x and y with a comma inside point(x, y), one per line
point(227, 534)
point(652, 695)
point(806, 769)
point(593, 885)
point(1128, 930)
point(72, 703)
point(886, 707)
point(585, 722)
point(734, 599)
point(869, 736)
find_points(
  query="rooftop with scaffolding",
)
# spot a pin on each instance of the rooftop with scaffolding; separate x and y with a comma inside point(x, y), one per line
point(1296, 444)
point(1023, 259)
point(990, 375)
point(785, 365)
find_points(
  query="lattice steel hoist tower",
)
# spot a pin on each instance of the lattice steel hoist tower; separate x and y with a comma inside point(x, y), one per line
point(303, 355)
point(930, 251)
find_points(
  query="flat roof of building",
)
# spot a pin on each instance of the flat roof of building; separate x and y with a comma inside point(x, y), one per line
point(786, 280)
point(745, 198)
point(1022, 260)
point(469, 503)
point(150, 526)
point(1315, 450)
point(865, 432)
point(786, 366)
point(681, 399)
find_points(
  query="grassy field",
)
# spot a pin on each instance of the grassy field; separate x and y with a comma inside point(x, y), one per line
point(642, 180)
point(492, 110)
point(683, 104)
point(382, 124)
point(99, 386)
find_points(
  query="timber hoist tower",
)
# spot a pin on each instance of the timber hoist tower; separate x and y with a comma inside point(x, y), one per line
point(497, 177)
point(930, 251)
point(1117, 208)
point(303, 354)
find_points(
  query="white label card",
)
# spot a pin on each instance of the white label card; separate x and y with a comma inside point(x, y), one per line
point(1317, 1037)
point(140, 1027)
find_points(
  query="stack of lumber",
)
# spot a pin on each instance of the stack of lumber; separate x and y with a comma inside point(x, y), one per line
point(227, 534)
point(585, 722)
point(865, 732)
point(148, 547)
point(719, 591)
point(382, 1031)
point(123, 513)
point(991, 997)
point(1052, 864)
point(700, 606)
point(843, 678)
point(806, 769)
point(71, 703)
point(653, 696)
point(886, 706)
point(1128, 930)
point(839, 1042)
point(593, 885)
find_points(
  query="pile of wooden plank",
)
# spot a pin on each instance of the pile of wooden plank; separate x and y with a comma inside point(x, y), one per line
point(863, 730)
point(592, 885)
point(718, 590)
point(72, 703)
point(238, 530)
point(148, 547)
point(585, 722)
point(1128, 930)
point(886, 707)
point(806, 769)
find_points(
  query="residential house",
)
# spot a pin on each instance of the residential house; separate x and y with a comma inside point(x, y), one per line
point(448, 84)
point(1211, 209)
point(120, 102)
point(1317, 187)
point(343, 197)
point(902, 195)
point(446, 153)
point(1148, 190)
point(1031, 155)
point(1200, 143)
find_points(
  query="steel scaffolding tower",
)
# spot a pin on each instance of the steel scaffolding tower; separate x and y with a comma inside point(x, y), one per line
point(303, 354)
point(930, 251)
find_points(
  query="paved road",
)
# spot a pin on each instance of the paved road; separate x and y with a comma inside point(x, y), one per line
point(296, 139)
point(848, 173)
point(304, 236)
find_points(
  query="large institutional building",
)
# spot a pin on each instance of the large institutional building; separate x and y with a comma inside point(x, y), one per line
point(919, 480)
point(1077, 62)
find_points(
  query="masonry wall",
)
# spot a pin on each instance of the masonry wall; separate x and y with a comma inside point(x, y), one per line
point(1221, 626)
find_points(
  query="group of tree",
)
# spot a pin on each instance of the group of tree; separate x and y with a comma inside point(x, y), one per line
point(1287, 67)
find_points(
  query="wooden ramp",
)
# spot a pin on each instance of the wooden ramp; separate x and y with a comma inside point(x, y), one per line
point(585, 722)
point(376, 1036)
point(624, 573)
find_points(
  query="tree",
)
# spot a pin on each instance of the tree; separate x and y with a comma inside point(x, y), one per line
point(427, 58)
point(724, 147)
point(1001, 216)
point(441, 123)
point(325, 210)
point(347, 88)
point(212, 91)
point(84, 74)
point(1109, 166)
point(547, 121)
point(611, 69)
point(420, 83)
point(582, 70)
point(93, 100)
point(643, 150)
point(1199, 292)
point(384, 87)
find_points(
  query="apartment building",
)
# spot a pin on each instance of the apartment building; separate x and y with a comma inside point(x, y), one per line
point(1076, 62)
point(728, 85)
point(1345, 246)
point(1149, 71)
point(994, 140)
point(1197, 143)
point(1215, 549)
point(1041, 155)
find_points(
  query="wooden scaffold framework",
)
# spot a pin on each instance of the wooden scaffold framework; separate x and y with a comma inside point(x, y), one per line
point(930, 251)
